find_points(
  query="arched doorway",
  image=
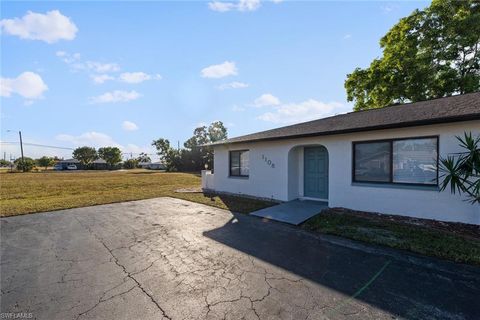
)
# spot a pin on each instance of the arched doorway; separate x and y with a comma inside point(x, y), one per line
point(308, 172)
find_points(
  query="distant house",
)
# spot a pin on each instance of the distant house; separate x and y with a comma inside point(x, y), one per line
point(152, 165)
point(67, 162)
point(157, 166)
point(99, 164)
point(144, 165)
point(381, 160)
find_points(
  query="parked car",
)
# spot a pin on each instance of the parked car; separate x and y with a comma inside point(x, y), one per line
point(72, 167)
point(58, 167)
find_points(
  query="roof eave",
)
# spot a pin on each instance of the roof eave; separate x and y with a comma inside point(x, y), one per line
point(469, 117)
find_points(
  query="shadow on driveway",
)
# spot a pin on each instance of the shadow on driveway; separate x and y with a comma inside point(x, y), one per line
point(402, 284)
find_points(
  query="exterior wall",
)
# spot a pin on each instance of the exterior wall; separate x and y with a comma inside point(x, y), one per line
point(284, 181)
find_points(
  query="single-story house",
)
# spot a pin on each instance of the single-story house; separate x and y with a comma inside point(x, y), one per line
point(98, 164)
point(152, 165)
point(67, 162)
point(381, 160)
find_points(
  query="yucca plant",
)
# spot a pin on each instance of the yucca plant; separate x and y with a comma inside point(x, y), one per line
point(462, 170)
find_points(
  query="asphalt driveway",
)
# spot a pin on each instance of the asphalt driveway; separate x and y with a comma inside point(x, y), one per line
point(173, 259)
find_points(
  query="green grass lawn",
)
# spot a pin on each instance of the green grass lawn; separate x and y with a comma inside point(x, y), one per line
point(22, 193)
point(447, 244)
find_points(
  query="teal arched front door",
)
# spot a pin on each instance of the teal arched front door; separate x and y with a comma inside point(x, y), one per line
point(315, 172)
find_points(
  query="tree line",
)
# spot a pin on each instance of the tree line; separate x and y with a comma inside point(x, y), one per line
point(196, 153)
point(195, 156)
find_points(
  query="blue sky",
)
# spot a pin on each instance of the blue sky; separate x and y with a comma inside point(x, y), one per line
point(125, 73)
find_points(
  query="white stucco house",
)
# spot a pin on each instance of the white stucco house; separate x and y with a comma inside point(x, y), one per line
point(382, 160)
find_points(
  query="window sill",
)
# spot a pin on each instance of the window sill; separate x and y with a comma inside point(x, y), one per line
point(239, 177)
point(396, 186)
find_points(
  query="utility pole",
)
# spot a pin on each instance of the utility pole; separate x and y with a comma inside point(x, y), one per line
point(11, 162)
point(21, 149)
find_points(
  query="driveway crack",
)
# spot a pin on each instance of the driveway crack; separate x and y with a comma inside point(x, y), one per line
point(127, 273)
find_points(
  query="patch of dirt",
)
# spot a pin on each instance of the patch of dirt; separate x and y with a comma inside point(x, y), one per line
point(462, 229)
point(379, 234)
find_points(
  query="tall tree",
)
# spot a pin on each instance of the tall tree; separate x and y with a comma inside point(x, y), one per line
point(4, 163)
point(111, 155)
point(200, 137)
point(86, 155)
point(431, 53)
point(167, 154)
point(217, 131)
point(26, 164)
point(45, 162)
point(196, 153)
point(143, 157)
point(130, 164)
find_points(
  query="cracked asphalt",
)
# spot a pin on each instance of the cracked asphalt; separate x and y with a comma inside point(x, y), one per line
point(166, 258)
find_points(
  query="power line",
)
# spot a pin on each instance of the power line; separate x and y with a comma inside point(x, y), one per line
point(64, 148)
point(37, 145)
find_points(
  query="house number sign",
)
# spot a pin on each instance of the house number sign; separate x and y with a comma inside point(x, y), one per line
point(268, 161)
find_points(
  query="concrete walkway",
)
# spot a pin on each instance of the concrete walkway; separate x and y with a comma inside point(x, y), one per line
point(293, 212)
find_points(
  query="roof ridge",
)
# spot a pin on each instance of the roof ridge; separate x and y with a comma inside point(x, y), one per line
point(413, 102)
point(460, 107)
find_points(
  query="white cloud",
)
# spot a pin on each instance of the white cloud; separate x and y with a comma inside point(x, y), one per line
point(138, 77)
point(129, 126)
point(100, 72)
point(236, 108)
point(221, 6)
point(304, 111)
point(225, 69)
point(67, 57)
point(101, 78)
point(248, 5)
point(389, 8)
point(28, 85)
point(266, 100)
point(347, 36)
point(75, 62)
point(92, 139)
point(116, 96)
point(101, 67)
point(232, 85)
point(241, 5)
point(50, 27)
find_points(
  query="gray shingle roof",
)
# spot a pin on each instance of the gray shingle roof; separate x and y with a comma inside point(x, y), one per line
point(449, 109)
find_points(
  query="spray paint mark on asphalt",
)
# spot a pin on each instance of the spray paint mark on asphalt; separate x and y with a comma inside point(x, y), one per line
point(362, 289)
